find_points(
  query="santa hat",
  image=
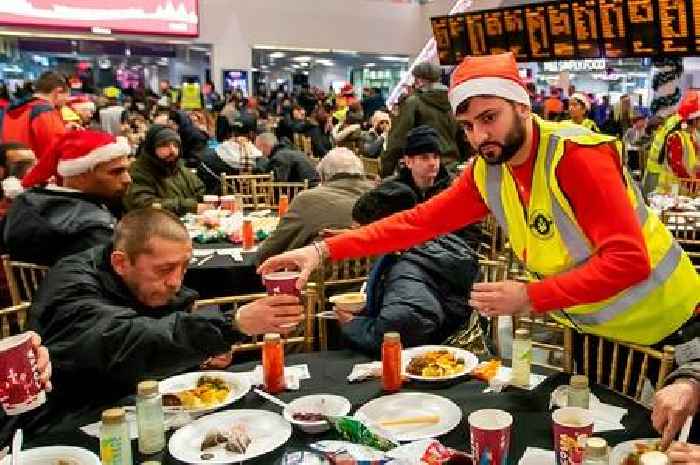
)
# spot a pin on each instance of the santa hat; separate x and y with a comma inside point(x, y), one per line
point(583, 99)
point(493, 75)
point(81, 102)
point(347, 90)
point(689, 107)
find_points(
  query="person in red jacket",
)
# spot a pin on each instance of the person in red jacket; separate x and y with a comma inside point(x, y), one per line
point(36, 122)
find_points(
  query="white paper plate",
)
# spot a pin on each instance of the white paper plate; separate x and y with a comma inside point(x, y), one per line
point(470, 361)
point(267, 432)
point(412, 404)
point(239, 382)
point(52, 454)
point(622, 450)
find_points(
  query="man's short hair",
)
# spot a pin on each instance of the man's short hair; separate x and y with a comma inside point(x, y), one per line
point(4, 148)
point(133, 233)
point(49, 81)
point(339, 160)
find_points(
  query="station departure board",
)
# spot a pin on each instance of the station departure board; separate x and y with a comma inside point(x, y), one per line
point(570, 29)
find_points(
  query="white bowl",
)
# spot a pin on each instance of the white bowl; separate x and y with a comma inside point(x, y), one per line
point(357, 301)
point(325, 404)
point(52, 454)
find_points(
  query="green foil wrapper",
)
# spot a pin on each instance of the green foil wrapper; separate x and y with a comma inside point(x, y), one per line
point(355, 431)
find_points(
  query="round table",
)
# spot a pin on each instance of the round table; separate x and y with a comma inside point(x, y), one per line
point(329, 370)
point(223, 276)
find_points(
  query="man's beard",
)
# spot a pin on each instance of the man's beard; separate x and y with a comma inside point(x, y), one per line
point(514, 141)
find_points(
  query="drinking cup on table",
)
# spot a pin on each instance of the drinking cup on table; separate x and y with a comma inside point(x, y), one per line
point(20, 388)
point(211, 201)
point(490, 436)
point(571, 427)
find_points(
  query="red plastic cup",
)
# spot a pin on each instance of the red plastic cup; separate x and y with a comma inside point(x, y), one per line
point(490, 436)
point(282, 282)
point(228, 202)
point(212, 201)
point(20, 389)
point(571, 426)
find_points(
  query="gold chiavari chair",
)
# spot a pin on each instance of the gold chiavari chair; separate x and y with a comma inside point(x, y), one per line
point(245, 187)
point(371, 166)
point(685, 228)
point(303, 143)
point(305, 339)
point(270, 192)
point(23, 278)
point(689, 187)
point(13, 319)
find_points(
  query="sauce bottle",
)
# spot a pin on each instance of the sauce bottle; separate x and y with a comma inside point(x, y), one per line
point(273, 363)
point(391, 362)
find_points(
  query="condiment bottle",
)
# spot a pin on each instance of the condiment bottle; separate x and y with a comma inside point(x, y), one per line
point(578, 394)
point(391, 362)
point(596, 452)
point(115, 444)
point(248, 234)
point(273, 363)
point(522, 355)
point(150, 419)
point(283, 206)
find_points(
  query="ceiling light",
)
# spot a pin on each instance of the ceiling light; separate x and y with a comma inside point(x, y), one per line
point(347, 52)
point(369, 65)
point(277, 55)
point(254, 69)
point(305, 64)
point(296, 66)
point(393, 58)
point(302, 58)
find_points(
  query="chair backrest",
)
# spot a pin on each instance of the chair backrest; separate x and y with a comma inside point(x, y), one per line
point(371, 165)
point(685, 228)
point(244, 186)
point(303, 143)
point(689, 187)
point(305, 339)
point(270, 192)
point(607, 357)
point(13, 319)
point(23, 278)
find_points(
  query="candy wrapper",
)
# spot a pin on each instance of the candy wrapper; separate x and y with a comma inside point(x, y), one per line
point(347, 453)
point(427, 452)
point(364, 371)
point(355, 431)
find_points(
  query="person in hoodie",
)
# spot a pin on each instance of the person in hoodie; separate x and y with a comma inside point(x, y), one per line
point(421, 293)
point(427, 105)
point(194, 139)
point(44, 225)
point(160, 176)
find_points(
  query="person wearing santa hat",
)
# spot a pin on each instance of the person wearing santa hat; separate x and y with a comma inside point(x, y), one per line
point(571, 212)
point(681, 160)
point(579, 106)
point(44, 225)
point(84, 108)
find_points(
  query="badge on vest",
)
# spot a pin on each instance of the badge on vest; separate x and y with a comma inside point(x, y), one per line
point(541, 224)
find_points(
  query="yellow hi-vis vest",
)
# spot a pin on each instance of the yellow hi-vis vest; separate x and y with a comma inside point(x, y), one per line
point(657, 144)
point(555, 243)
point(191, 99)
point(668, 177)
point(586, 123)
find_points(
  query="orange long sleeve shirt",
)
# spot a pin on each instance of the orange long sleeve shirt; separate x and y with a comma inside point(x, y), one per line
point(590, 178)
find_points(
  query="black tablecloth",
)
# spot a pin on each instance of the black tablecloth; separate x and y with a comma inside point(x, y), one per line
point(222, 276)
point(532, 420)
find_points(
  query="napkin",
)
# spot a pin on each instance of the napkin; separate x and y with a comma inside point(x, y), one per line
point(292, 376)
point(606, 417)
point(537, 456)
point(364, 371)
point(503, 376)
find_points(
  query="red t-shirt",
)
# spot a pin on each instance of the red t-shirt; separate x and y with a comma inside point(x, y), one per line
point(674, 154)
point(590, 178)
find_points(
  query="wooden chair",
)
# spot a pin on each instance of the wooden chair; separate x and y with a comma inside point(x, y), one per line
point(23, 278)
point(270, 192)
point(306, 339)
point(303, 143)
point(13, 319)
point(493, 271)
point(685, 228)
point(611, 358)
point(371, 166)
point(689, 187)
point(245, 186)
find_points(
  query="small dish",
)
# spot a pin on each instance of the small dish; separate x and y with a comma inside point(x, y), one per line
point(324, 404)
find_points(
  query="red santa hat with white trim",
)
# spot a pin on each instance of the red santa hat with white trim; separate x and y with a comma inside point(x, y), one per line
point(81, 102)
point(689, 107)
point(492, 75)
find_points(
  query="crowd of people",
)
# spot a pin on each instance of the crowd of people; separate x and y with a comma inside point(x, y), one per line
point(94, 185)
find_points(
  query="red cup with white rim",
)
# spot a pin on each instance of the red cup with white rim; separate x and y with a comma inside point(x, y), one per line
point(490, 436)
point(20, 388)
point(571, 426)
point(282, 282)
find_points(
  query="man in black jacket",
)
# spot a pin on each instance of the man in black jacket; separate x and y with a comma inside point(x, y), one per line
point(287, 164)
point(44, 225)
point(421, 294)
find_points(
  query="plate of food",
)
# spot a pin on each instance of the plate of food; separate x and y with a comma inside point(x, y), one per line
point(55, 455)
point(409, 416)
point(229, 437)
point(203, 391)
point(437, 363)
point(629, 452)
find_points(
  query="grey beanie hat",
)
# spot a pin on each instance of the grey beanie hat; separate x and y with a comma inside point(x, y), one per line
point(426, 70)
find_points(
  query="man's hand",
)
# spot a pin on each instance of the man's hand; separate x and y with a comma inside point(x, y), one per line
point(43, 362)
point(684, 453)
point(344, 317)
point(306, 259)
point(672, 406)
point(504, 298)
point(218, 362)
point(272, 314)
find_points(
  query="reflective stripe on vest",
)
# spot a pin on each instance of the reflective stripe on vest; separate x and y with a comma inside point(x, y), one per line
point(657, 145)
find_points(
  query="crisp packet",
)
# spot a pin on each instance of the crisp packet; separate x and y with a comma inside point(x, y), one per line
point(363, 371)
point(486, 371)
point(355, 431)
point(425, 452)
point(347, 453)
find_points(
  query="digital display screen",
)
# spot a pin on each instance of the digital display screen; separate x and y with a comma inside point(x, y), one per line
point(476, 35)
point(586, 28)
point(442, 40)
point(458, 37)
point(562, 31)
point(673, 17)
point(642, 27)
point(538, 32)
point(612, 21)
point(515, 28)
point(495, 32)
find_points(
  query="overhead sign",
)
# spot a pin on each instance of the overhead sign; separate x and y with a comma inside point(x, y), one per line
point(164, 17)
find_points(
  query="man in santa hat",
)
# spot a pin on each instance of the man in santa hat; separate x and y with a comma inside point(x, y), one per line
point(603, 262)
point(44, 225)
point(84, 108)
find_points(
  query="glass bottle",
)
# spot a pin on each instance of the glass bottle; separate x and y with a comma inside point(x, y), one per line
point(273, 363)
point(248, 235)
point(522, 356)
point(578, 394)
point(391, 362)
point(115, 444)
point(150, 418)
point(596, 452)
point(283, 206)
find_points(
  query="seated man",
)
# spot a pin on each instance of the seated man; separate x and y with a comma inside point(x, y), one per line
point(287, 163)
point(374, 140)
point(44, 225)
point(328, 206)
point(421, 293)
point(118, 314)
point(15, 161)
point(160, 176)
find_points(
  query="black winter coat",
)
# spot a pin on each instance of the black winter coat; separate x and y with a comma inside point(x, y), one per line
point(423, 296)
point(289, 165)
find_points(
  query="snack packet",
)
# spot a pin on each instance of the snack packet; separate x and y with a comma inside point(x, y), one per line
point(486, 371)
point(355, 431)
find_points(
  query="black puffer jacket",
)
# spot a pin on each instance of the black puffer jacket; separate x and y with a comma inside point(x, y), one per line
point(423, 296)
point(289, 165)
point(44, 225)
